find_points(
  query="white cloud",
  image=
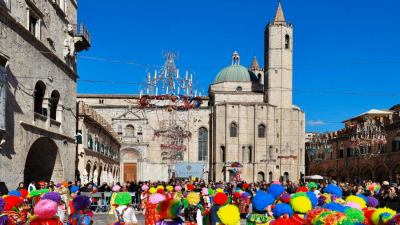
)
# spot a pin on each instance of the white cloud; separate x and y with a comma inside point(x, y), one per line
point(315, 123)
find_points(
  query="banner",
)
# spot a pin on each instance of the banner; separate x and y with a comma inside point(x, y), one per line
point(185, 170)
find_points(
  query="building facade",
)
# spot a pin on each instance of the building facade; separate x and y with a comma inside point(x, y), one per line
point(98, 149)
point(246, 128)
point(379, 162)
point(38, 44)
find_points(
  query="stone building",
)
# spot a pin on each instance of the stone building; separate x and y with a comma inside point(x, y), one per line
point(97, 150)
point(378, 162)
point(38, 43)
point(247, 126)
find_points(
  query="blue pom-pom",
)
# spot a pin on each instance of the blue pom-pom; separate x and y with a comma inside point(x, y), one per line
point(333, 190)
point(14, 193)
point(363, 197)
point(282, 209)
point(262, 200)
point(74, 189)
point(313, 198)
point(334, 207)
point(276, 190)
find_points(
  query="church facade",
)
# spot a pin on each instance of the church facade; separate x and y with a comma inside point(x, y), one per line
point(246, 128)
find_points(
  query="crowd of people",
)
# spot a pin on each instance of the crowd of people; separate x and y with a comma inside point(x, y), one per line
point(199, 203)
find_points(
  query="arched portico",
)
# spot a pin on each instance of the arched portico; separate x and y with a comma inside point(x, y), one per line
point(43, 162)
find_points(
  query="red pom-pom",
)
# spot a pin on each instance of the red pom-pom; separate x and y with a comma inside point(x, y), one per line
point(282, 221)
point(24, 193)
point(190, 187)
point(246, 186)
point(220, 198)
point(302, 189)
point(12, 201)
point(236, 195)
point(297, 219)
point(160, 191)
point(368, 214)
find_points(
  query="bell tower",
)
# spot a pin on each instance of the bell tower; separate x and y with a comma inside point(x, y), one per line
point(278, 61)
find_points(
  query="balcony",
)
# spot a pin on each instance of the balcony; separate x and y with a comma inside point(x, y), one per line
point(82, 37)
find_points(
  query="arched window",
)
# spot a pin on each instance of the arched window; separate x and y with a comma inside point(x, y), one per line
point(260, 176)
point(233, 129)
point(40, 89)
point(287, 41)
point(203, 144)
point(261, 130)
point(396, 144)
point(259, 76)
point(129, 131)
point(54, 99)
point(270, 176)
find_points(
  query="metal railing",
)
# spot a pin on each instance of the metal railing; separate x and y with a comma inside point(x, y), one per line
point(82, 31)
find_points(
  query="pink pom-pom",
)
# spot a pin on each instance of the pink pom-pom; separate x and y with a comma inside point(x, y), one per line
point(145, 187)
point(156, 198)
point(276, 182)
point(178, 188)
point(353, 205)
point(116, 188)
point(204, 191)
point(45, 209)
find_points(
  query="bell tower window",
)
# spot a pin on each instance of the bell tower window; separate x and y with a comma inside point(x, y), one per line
point(287, 41)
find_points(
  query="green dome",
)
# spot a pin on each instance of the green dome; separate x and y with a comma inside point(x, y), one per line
point(235, 73)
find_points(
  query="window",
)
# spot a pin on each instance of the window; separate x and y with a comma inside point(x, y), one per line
point(223, 154)
point(34, 24)
point(119, 130)
point(203, 144)
point(54, 99)
point(341, 151)
point(3, 75)
point(396, 144)
point(233, 129)
point(5, 3)
point(96, 144)
point(101, 101)
point(250, 154)
point(89, 140)
point(261, 131)
point(129, 131)
point(38, 94)
point(287, 41)
point(259, 76)
point(239, 88)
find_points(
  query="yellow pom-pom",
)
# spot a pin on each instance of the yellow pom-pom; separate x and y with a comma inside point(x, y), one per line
point(301, 204)
point(193, 198)
point(376, 216)
point(229, 215)
point(356, 199)
point(219, 190)
point(169, 188)
point(152, 190)
point(160, 187)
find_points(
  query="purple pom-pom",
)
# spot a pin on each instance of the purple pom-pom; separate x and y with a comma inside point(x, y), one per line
point(321, 200)
point(2, 204)
point(372, 202)
point(54, 196)
point(81, 202)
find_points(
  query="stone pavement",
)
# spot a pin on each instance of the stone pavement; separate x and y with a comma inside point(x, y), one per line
point(102, 219)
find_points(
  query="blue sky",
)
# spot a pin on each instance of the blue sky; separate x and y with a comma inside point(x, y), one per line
point(346, 53)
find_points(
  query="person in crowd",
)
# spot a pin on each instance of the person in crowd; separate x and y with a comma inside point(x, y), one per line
point(81, 215)
point(124, 213)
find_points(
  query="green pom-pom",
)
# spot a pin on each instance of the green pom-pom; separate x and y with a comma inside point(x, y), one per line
point(354, 215)
point(185, 203)
point(123, 198)
point(35, 193)
point(44, 191)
